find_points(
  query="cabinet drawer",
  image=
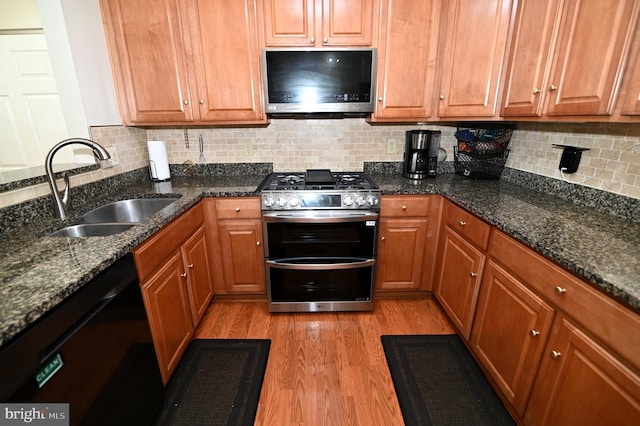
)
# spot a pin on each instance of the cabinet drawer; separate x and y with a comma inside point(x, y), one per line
point(404, 206)
point(603, 317)
point(467, 225)
point(154, 251)
point(238, 208)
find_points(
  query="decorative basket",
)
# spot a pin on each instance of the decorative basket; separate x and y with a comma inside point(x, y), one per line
point(482, 151)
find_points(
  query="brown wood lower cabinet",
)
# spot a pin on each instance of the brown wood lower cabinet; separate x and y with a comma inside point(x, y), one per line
point(167, 303)
point(458, 283)
point(581, 382)
point(509, 332)
point(558, 351)
point(235, 225)
point(407, 242)
point(174, 272)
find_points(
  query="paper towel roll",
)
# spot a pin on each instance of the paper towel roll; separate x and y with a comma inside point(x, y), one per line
point(158, 162)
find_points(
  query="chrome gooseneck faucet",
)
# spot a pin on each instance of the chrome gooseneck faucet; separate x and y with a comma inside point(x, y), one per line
point(60, 202)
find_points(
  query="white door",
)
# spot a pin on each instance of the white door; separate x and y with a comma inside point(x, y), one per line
point(31, 114)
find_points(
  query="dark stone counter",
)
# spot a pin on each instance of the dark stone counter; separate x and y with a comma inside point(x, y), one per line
point(39, 272)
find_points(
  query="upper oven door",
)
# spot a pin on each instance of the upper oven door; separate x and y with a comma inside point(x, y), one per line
point(311, 236)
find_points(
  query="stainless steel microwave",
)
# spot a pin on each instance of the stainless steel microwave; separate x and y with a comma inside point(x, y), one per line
point(319, 81)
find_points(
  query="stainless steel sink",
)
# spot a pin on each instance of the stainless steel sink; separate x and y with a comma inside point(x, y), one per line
point(91, 230)
point(127, 211)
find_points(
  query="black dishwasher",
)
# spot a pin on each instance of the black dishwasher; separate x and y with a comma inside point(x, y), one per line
point(94, 352)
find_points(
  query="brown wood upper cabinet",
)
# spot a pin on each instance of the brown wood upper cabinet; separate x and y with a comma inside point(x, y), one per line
point(567, 57)
point(473, 53)
point(309, 23)
point(407, 54)
point(631, 106)
point(185, 61)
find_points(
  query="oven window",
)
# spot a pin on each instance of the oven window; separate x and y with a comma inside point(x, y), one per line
point(290, 285)
point(348, 239)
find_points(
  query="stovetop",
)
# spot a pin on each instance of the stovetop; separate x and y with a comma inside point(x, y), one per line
point(318, 179)
point(319, 189)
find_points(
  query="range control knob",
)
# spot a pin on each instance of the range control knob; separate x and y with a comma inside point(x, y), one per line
point(372, 200)
point(347, 200)
point(268, 201)
point(281, 201)
point(294, 201)
point(360, 201)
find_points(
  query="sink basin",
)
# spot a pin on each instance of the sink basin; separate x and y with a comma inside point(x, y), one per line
point(127, 211)
point(91, 230)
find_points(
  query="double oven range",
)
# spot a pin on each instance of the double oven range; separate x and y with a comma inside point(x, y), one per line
point(320, 232)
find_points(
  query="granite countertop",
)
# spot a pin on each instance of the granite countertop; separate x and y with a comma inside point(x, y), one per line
point(38, 272)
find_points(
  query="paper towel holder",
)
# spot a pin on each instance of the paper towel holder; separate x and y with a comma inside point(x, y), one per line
point(153, 172)
point(570, 159)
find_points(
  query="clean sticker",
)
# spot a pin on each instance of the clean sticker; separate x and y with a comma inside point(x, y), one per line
point(49, 370)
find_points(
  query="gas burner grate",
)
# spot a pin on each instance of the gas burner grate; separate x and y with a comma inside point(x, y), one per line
point(291, 180)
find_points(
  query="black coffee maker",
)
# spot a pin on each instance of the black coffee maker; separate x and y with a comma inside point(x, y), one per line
point(421, 154)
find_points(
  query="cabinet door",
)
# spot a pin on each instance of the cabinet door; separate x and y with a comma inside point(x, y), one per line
point(348, 22)
point(529, 58)
point(226, 57)
point(631, 104)
point(581, 383)
point(167, 304)
point(509, 332)
point(407, 53)
point(289, 22)
point(473, 55)
point(196, 263)
point(147, 56)
point(458, 283)
point(242, 255)
point(590, 55)
point(307, 23)
point(401, 254)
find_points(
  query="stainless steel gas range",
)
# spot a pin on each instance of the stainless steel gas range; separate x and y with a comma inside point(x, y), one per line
point(320, 229)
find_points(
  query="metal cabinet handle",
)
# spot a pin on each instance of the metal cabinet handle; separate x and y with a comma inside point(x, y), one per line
point(442, 97)
point(473, 274)
point(190, 266)
point(381, 238)
point(183, 275)
point(258, 243)
point(555, 354)
point(201, 102)
point(404, 207)
point(186, 102)
point(325, 40)
point(536, 91)
point(313, 40)
point(560, 290)
point(552, 88)
point(380, 99)
point(534, 333)
point(237, 209)
point(463, 223)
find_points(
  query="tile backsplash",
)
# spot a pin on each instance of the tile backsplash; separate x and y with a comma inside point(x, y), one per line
point(612, 164)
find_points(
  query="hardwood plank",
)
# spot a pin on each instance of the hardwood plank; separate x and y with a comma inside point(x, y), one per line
point(326, 368)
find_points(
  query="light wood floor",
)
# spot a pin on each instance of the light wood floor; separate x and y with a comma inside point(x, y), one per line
point(326, 368)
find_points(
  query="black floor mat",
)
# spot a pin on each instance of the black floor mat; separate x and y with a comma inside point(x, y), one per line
point(438, 382)
point(218, 382)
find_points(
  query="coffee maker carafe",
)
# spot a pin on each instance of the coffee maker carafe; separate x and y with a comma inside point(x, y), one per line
point(421, 154)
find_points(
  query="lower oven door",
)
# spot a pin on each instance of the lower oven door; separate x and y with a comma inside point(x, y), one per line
point(320, 260)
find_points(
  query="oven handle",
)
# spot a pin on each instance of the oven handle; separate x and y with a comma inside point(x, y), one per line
point(320, 266)
point(319, 216)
